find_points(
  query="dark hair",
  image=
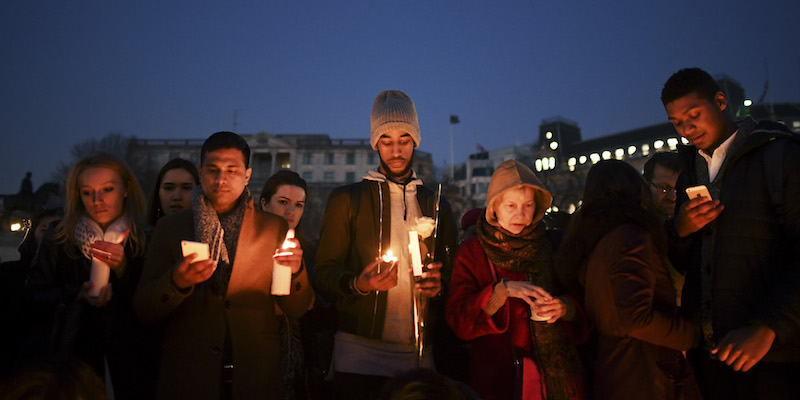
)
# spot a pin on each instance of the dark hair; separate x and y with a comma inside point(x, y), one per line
point(667, 159)
point(58, 378)
point(686, 81)
point(225, 140)
point(423, 384)
point(154, 204)
point(612, 196)
point(280, 178)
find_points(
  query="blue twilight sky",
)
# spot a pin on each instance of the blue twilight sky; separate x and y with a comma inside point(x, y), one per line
point(75, 70)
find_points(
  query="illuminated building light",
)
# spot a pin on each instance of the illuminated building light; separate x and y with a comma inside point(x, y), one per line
point(631, 150)
point(552, 162)
point(548, 135)
point(571, 168)
point(572, 208)
point(16, 226)
point(748, 102)
point(595, 157)
point(572, 161)
point(582, 159)
point(606, 155)
point(619, 153)
point(658, 144)
point(538, 164)
point(553, 145)
point(672, 143)
point(684, 141)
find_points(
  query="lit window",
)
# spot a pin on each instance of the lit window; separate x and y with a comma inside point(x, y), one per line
point(748, 102)
point(548, 135)
point(796, 124)
point(572, 168)
point(631, 150)
point(619, 153)
point(672, 143)
point(571, 208)
point(645, 149)
point(538, 165)
point(553, 145)
point(658, 144)
point(606, 155)
point(595, 157)
point(572, 161)
point(582, 159)
point(552, 162)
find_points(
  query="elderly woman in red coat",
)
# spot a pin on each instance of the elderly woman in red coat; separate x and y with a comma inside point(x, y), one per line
point(503, 298)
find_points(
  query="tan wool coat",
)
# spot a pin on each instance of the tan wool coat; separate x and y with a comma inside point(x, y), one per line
point(196, 322)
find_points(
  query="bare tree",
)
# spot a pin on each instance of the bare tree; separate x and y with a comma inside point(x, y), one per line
point(114, 143)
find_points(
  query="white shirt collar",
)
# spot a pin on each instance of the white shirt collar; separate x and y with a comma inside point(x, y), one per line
point(716, 159)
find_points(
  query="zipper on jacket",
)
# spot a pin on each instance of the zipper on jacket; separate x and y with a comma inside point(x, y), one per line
point(380, 253)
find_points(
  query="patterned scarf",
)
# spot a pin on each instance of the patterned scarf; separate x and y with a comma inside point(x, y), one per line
point(87, 232)
point(531, 252)
point(221, 232)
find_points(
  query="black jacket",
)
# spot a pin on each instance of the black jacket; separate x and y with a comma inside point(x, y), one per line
point(754, 257)
point(344, 250)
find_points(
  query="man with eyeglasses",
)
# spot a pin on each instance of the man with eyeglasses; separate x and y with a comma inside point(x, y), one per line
point(661, 173)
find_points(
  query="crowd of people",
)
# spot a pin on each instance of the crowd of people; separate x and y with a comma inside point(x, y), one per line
point(642, 293)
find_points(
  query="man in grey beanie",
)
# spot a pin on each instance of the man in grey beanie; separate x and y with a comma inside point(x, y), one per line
point(379, 331)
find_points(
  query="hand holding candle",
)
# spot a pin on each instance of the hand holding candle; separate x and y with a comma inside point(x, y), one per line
point(107, 254)
point(286, 261)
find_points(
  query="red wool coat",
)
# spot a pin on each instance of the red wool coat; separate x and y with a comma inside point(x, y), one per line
point(492, 370)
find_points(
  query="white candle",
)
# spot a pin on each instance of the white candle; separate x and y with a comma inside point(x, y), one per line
point(413, 248)
point(282, 274)
point(99, 276)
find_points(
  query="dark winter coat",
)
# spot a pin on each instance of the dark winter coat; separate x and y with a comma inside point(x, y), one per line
point(345, 249)
point(55, 279)
point(755, 271)
point(631, 301)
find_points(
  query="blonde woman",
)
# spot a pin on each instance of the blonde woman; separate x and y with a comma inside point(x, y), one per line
point(102, 230)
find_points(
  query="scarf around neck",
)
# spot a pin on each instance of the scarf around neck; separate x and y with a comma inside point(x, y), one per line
point(221, 234)
point(87, 231)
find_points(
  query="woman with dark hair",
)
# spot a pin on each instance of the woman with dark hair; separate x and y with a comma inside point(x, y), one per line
point(87, 268)
point(173, 189)
point(505, 299)
point(284, 194)
point(616, 250)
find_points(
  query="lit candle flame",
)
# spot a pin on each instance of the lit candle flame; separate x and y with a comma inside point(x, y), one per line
point(389, 257)
point(288, 244)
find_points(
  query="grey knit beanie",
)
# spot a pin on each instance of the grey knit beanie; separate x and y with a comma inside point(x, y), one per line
point(393, 110)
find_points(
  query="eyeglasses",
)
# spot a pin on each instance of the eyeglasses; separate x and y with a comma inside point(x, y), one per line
point(664, 189)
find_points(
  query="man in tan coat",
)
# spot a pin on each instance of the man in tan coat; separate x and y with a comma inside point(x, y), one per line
point(221, 339)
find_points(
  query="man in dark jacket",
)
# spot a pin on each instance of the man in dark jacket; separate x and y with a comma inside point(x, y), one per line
point(385, 311)
point(740, 248)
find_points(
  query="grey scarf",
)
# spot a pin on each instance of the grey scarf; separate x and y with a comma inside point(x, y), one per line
point(221, 232)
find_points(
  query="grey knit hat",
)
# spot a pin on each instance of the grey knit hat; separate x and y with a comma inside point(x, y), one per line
point(393, 110)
